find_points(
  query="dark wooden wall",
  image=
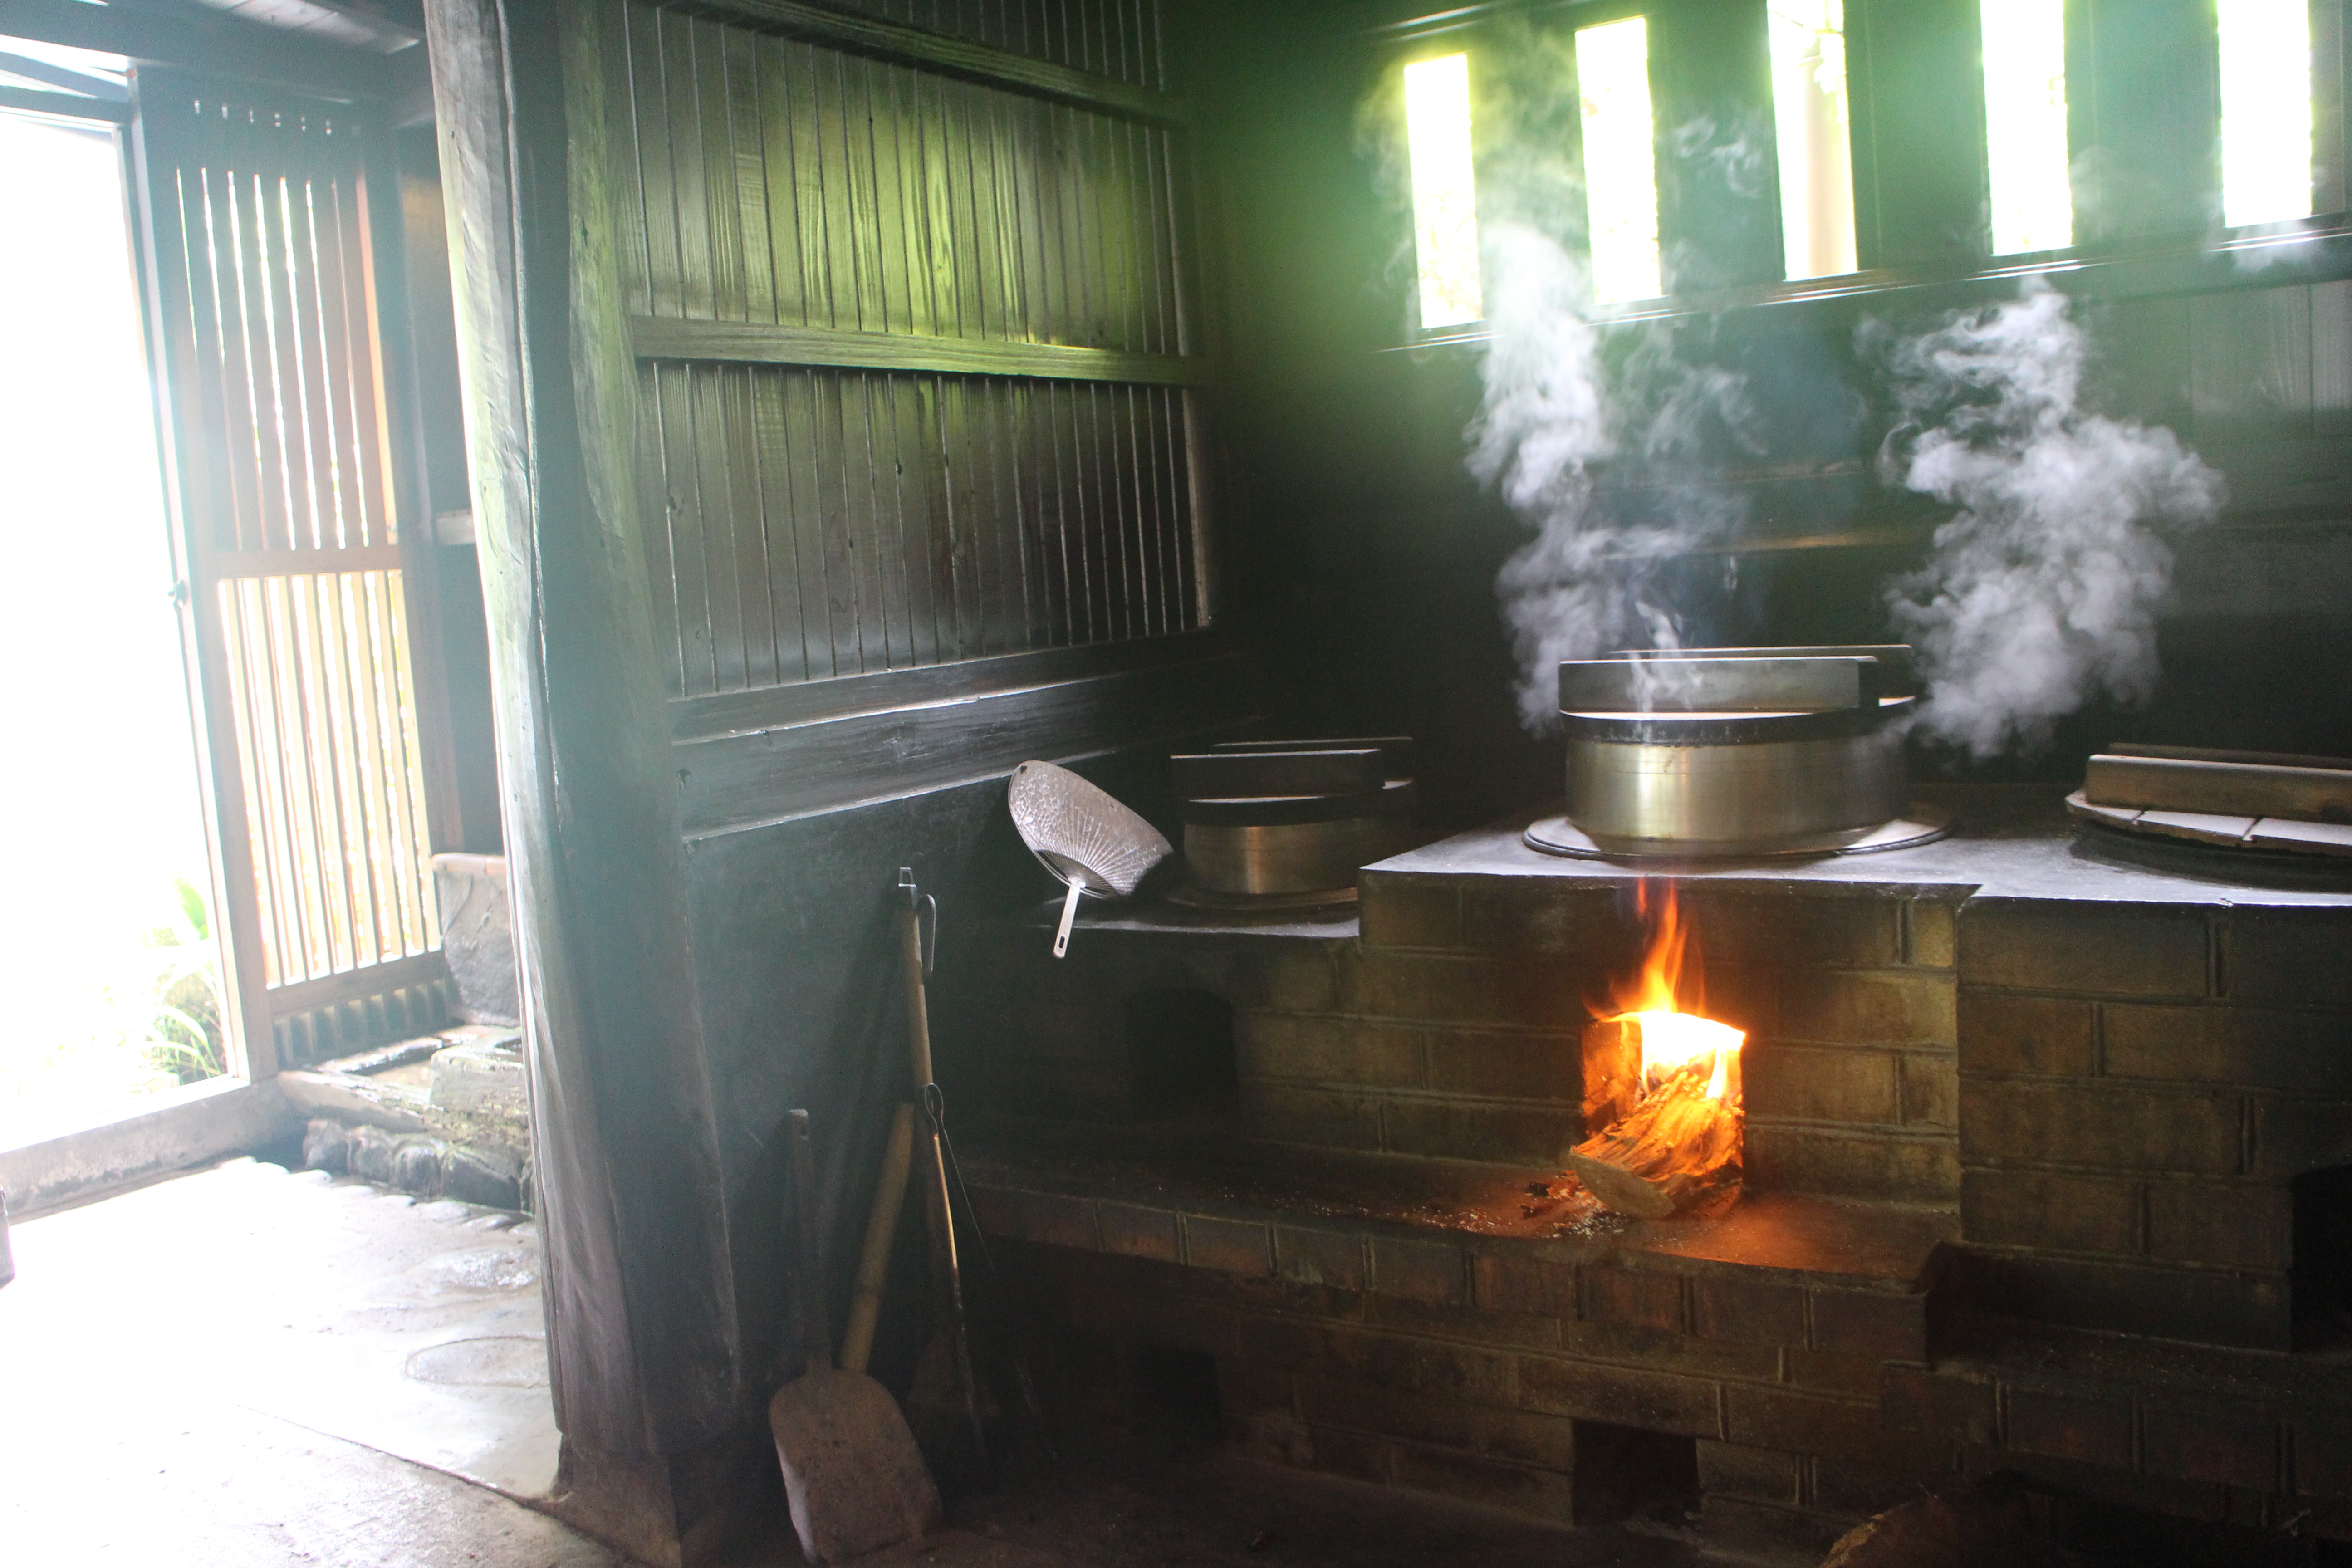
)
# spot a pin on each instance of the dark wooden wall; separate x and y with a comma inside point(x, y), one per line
point(867, 450)
point(838, 522)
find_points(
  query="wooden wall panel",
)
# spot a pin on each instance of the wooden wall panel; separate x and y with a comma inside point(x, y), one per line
point(824, 524)
point(787, 184)
point(912, 359)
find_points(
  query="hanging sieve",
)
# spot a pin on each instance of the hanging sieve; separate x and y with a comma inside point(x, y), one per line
point(1092, 843)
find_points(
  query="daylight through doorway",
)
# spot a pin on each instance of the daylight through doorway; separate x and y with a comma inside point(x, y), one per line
point(111, 974)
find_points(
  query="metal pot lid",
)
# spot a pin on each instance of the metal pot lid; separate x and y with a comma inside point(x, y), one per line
point(1317, 771)
point(1394, 798)
point(1396, 751)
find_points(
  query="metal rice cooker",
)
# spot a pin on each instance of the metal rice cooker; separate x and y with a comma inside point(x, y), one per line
point(1737, 750)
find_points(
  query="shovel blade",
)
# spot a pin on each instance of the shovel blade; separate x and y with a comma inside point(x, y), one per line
point(852, 1475)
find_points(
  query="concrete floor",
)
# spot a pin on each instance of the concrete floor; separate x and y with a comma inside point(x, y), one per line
point(241, 1368)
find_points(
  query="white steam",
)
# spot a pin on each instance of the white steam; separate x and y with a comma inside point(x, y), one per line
point(1589, 581)
point(1733, 148)
point(2042, 593)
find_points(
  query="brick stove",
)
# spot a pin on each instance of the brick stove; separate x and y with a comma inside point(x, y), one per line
point(2044, 1158)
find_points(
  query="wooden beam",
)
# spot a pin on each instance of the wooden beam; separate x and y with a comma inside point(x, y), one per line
point(738, 782)
point(352, 984)
point(64, 105)
point(198, 40)
point(950, 56)
point(644, 1351)
point(49, 75)
point(807, 701)
point(172, 1132)
point(656, 337)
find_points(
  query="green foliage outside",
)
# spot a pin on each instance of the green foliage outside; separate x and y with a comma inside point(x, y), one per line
point(138, 1015)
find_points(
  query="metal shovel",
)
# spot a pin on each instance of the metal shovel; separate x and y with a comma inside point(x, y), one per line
point(855, 1481)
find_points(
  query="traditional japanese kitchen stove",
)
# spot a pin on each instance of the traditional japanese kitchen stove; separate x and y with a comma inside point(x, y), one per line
point(1567, 1174)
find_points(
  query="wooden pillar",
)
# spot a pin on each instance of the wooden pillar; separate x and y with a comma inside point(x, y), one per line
point(644, 1350)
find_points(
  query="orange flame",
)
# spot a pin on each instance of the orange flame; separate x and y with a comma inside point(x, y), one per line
point(1671, 1038)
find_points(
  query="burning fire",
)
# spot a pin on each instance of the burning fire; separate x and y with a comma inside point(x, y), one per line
point(1662, 1085)
point(1673, 1039)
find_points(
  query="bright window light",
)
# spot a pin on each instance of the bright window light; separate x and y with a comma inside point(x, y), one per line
point(1621, 169)
point(2025, 124)
point(1445, 190)
point(1809, 112)
point(2265, 110)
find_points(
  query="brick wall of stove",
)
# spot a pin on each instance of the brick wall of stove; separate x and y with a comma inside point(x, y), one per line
point(2117, 1098)
point(1499, 1371)
point(1450, 1030)
point(1848, 995)
point(2140, 1087)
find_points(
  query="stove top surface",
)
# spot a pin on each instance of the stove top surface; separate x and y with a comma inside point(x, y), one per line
point(2007, 841)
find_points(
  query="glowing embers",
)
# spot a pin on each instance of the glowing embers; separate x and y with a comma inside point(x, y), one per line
point(1812, 123)
point(1621, 169)
point(1663, 1087)
point(2025, 124)
point(2265, 110)
point(1445, 190)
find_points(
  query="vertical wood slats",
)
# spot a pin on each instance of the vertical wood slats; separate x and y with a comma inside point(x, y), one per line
point(822, 522)
point(327, 746)
point(272, 208)
point(1115, 38)
point(780, 182)
point(271, 341)
point(825, 523)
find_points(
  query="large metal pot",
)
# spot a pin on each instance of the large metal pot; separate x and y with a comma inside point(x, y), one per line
point(1271, 819)
point(1264, 848)
point(1736, 751)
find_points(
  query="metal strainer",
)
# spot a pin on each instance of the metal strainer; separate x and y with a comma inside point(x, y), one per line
point(1089, 841)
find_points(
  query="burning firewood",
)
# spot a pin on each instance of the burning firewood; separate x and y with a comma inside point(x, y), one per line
point(1679, 1142)
point(1663, 1086)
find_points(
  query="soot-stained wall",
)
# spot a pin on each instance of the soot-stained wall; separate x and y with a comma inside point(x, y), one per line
point(1371, 568)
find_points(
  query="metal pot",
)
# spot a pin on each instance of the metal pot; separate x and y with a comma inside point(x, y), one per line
point(1300, 844)
point(1736, 751)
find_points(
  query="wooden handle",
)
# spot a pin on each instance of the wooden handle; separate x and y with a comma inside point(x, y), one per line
point(919, 1013)
point(816, 1337)
point(881, 1229)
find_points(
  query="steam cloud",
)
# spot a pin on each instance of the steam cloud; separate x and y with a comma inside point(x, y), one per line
point(1590, 580)
point(2043, 591)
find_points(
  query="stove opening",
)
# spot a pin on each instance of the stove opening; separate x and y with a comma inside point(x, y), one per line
point(1624, 1473)
point(1173, 1396)
point(2320, 1279)
point(1179, 1053)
